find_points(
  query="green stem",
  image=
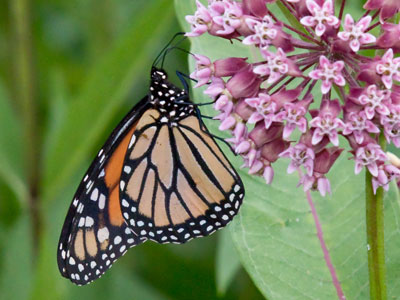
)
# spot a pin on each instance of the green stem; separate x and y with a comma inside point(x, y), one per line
point(375, 238)
point(24, 91)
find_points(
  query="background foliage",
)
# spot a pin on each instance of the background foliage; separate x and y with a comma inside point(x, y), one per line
point(89, 63)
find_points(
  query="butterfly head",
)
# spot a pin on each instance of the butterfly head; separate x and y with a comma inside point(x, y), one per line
point(167, 98)
point(158, 75)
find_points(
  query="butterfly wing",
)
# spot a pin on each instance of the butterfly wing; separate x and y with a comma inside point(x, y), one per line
point(95, 234)
point(176, 183)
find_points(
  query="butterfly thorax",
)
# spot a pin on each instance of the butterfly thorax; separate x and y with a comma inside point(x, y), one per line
point(169, 100)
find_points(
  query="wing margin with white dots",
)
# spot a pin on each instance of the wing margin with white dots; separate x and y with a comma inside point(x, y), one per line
point(88, 219)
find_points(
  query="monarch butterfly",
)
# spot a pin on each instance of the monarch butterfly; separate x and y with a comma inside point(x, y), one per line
point(160, 176)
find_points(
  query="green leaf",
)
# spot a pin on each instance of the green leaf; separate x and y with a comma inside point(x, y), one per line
point(227, 262)
point(108, 84)
point(128, 285)
point(275, 233)
point(16, 273)
point(11, 154)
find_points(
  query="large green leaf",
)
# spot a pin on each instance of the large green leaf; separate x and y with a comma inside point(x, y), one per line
point(109, 82)
point(227, 262)
point(275, 232)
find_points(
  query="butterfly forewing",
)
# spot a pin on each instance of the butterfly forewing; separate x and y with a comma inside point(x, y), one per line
point(95, 233)
point(176, 183)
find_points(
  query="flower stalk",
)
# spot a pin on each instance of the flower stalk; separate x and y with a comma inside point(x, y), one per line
point(375, 237)
point(375, 240)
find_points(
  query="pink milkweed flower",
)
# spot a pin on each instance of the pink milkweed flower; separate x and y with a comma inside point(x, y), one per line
point(204, 70)
point(326, 122)
point(386, 174)
point(230, 20)
point(293, 115)
point(374, 100)
point(391, 125)
point(315, 182)
point(216, 88)
point(300, 155)
point(354, 33)
point(264, 107)
point(328, 72)
point(389, 68)
point(200, 21)
point(369, 156)
point(240, 139)
point(392, 133)
point(277, 65)
point(268, 174)
point(358, 124)
point(320, 16)
point(264, 32)
point(252, 161)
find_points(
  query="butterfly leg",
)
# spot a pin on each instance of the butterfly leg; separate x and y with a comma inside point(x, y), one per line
point(204, 129)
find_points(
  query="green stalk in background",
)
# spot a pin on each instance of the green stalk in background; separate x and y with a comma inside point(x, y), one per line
point(24, 94)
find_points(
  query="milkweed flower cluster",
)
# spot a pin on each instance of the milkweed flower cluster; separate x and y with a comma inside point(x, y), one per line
point(268, 120)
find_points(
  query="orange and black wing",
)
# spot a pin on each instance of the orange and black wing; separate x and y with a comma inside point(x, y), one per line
point(176, 183)
point(95, 233)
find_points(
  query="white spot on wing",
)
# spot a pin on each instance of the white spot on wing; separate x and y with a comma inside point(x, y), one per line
point(102, 201)
point(89, 221)
point(117, 240)
point(133, 139)
point(81, 222)
point(103, 234)
point(94, 195)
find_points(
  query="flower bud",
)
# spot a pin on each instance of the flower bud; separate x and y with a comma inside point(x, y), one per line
point(325, 159)
point(270, 151)
point(259, 135)
point(229, 66)
point(244, 84)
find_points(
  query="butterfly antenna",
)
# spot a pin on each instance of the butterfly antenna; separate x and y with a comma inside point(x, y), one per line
point(173, 48)
point(166, 47)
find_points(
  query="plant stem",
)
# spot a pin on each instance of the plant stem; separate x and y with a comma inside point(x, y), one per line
point(24, 91)
point(375, 238)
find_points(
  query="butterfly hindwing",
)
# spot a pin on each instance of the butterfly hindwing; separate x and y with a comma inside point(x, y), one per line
point(177, 184)
point(95, 233)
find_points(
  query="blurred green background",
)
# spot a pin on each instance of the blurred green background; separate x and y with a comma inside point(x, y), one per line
point(69, 71)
